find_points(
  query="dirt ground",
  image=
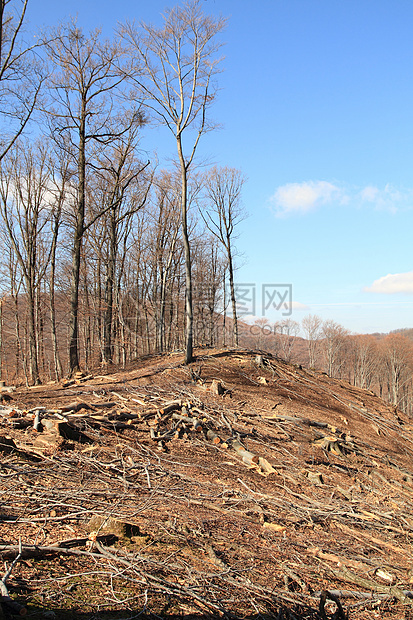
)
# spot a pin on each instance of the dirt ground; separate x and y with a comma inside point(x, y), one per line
point(238, 486)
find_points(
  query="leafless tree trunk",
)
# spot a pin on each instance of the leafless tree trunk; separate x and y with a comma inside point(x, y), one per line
point(58, 189)
point(334, 339)
point(311, 325)
point(23, 183)
point(222, 214)
point(174, 69)
point(84, 84)
point(397, 355)
point(123, 172)
point(287, 332)
point(363, 351)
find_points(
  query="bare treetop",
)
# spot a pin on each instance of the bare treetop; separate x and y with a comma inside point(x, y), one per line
point(21, 74)
point(174, 66)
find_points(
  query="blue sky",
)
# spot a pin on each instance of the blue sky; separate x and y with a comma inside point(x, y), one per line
point(316, 108)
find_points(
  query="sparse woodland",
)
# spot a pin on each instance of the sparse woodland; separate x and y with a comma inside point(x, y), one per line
point(379, 362)
point(109, 254)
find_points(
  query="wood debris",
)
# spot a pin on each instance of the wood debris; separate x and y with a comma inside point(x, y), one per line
point(282, 501)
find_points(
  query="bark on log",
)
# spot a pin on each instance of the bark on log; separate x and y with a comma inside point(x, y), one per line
point(346, 575)
point(11, 607)
point(65, 430)
point(247, 456)
point(213, 437)
point(195, 423)
point(75, 407)
point(171, 406)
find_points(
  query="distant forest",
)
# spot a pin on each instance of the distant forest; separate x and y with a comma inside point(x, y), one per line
point(382, 363)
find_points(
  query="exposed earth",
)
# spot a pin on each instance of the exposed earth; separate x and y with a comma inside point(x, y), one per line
point(238, 486)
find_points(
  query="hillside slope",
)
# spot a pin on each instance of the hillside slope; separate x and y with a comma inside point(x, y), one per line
point(144, 492)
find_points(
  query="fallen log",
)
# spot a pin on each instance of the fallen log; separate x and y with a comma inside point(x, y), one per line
point(248, 457)
point(75, 407)
point(346, 575)
point(65, 430)
point(195, 423)
point(173, 405)
point(216, 440)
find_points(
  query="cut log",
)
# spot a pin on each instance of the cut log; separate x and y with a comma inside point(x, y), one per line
point(346, 575)
point(213, 437)
point(108, 525)
point(248, 457)
point(171, 406)
point(86, 378)
point(65, 430)
point(75, 407)
point(11, 608)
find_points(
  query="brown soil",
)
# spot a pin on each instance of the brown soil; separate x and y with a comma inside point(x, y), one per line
point(322, 503)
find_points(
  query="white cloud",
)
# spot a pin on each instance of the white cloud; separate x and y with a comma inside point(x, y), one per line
point(304, 197)
point(393, 283)
point(387, 199)
point(369, 193)
point(297, 305)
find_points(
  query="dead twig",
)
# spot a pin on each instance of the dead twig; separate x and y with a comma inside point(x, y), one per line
point(8, 605)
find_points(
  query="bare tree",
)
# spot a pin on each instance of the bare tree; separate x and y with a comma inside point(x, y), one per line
point(363, 354)
point(209, 268)
point(174, 71)
point(397, 357)
point(59, 179)
point(311, 325)
point(334, 340)
point(164, 220)
point(123, 186)
point(287, 332)
point(84, 85)
point(222, 214)
point(20, 74)
point(23, 186)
